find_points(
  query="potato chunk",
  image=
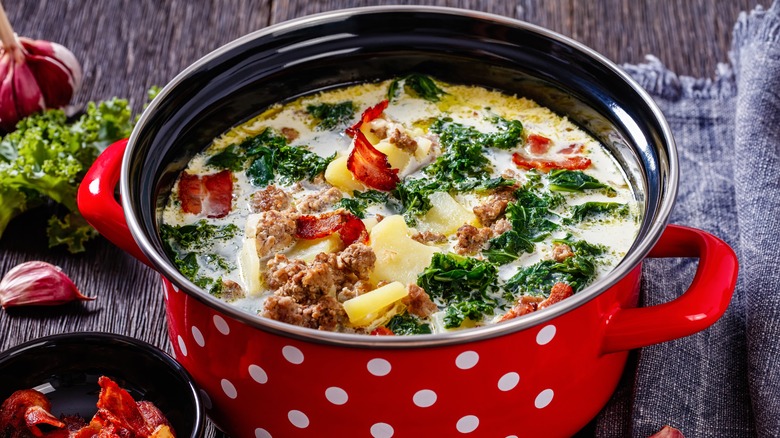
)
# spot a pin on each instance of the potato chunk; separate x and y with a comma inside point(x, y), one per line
point(306, 250)
point(363, 309)
point(446, 215)
point(249, 265)
point(339, 176)
point(398, 256)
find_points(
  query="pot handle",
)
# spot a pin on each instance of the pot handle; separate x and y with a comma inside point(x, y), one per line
point(697, 308)
point(96, 201)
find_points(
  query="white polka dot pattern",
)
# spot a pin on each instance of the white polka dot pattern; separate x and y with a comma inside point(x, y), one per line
point(382, 430)
point(182, 346)
point(198, 336)
point(221, 325)
point(424, 398)
point(262, 433)
point(336, 395)
point(467, 360)
point(258, 374)
point(545, 335)
point(292, 354)
point(508, 381)
point(229, 389)
point(379, 367)
point(467, 424)
point(543, 399)
point(298, 419)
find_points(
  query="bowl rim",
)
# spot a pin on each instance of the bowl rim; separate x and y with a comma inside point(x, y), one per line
point(628, 264)
point(106, 338)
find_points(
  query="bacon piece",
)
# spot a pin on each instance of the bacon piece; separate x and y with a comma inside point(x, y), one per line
point(559, 292)
point(38, 415)
point(382, 331)
point(371, 166)
point(212, 194)
point(116, 407)
point(23, 411)
point(538, 144)
point(569, 163)
point(573, 148)
point(368, 115)
point(350, 228)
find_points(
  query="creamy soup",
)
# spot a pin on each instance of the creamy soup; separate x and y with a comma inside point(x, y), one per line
point(407, 206)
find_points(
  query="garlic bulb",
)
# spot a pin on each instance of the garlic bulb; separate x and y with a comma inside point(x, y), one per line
point(37, 283)
point(36, 75)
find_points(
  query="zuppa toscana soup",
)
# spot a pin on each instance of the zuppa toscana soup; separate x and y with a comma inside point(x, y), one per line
point(408, 206)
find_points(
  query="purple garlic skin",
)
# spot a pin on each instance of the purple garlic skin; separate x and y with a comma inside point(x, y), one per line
point(35, 75)
point(37, 283)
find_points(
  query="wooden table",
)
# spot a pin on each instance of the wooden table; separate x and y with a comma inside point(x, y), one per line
point(126, 46)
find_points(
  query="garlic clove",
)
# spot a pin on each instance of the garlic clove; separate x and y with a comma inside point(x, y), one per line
point(27, 93)
point(37, 283)
point(8, 114)
point(57, 54)
point(54, 94)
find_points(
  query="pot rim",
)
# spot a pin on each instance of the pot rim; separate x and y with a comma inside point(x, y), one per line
point(629, 262)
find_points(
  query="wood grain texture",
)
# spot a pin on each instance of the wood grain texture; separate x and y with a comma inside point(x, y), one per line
point(126, 46)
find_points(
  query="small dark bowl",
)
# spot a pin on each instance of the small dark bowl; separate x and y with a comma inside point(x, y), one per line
point(66, 368)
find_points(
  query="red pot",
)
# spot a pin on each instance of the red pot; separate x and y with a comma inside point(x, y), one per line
point(545, 374)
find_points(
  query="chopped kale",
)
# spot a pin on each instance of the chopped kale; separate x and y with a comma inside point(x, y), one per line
point(196, 235)
point(270, 157)
point(483, 185)
point(463, 155)
point(361, 200)
point(421, 85)
point(577, 271)
point(589, 210)
point(332, 115)
point(462, 283)
point(510, 133)
point(507, 247)
point(407, 324)
point(562, 180)
point(413, 195)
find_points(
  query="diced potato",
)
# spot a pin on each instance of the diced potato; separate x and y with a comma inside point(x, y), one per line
point(363, 309)
point(370, 136)
point(250, 229)
point(339, 176)
point(398, 256)
point(249, 265)
point(446, 215)
point(423, 148)
point(306, 250)
point(397, 158)
point(162, 431)
point(370, 222)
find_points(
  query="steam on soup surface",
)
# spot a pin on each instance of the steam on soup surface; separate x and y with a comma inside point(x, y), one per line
point(402, 207)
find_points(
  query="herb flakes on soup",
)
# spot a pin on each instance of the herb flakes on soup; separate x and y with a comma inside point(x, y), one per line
point(409, 206)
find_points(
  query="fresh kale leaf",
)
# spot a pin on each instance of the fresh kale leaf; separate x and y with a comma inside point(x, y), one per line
point(562, 180)
point(591, 209)
point(47, 156)
point(507, 247)
point(483, 185)
point(422, 85)
point(331, 115)
point(232, 157)
point(474, 310)
point(413, 195)
point(294, 164)
point(463, 155)
point(408, 324)
point(452, 279)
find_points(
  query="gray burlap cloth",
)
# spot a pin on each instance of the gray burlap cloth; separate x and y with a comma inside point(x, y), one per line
point(723, 381)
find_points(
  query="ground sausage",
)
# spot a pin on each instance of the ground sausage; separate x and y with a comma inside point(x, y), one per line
point(275, 231)
point(310, 294)
point(525, 305)
point(319, 201)
point(495, 206)
point(231, 291)
point(269, 198)
point(561, 252)
point(290, 134)
point(418, 302)
point(501, 226)
point(403, 141)
point(471, 239)
point(429, 237)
